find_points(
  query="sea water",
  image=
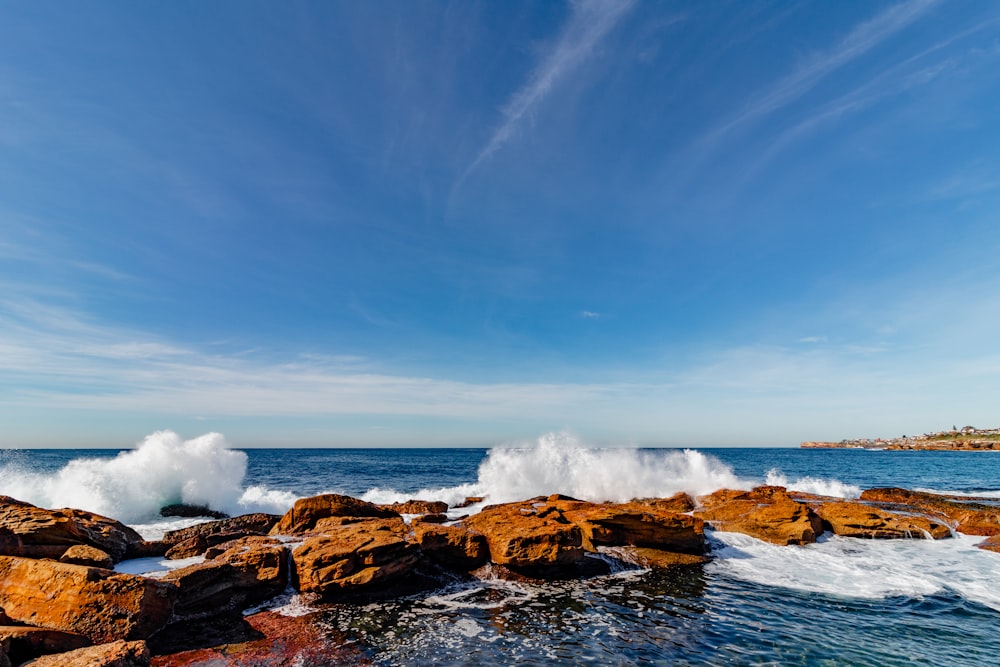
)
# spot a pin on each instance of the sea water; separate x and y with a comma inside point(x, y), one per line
point(837, 602)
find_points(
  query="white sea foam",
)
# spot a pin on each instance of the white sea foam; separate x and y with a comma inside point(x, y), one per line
point(815, 485)
point(858, 568)
point(132, 487)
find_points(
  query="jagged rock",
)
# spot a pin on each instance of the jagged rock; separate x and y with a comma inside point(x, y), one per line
point(766, 512)
point(451, 546)
point(248, 543)
point(100, 604)
point(531, 535)
point(25, 643)
point(236, 578)
point(853, 519)
point(471, 500)
point(308, 511)
point(418, 507)
point(967, 514)
point(430, 518)
point(34, 532)
point(81, 554)
point(551, 536)
point(365, 554)
point(640, 525)
point(679, 502)
point(114, 654)
point(191, 511)
point(192, 546)
point(229, 529)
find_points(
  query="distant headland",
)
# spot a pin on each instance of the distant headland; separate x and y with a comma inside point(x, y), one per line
point(965, 438)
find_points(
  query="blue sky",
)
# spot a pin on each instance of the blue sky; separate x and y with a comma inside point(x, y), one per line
point(430, 223)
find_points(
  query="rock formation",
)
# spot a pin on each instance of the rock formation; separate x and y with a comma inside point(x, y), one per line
point(99, 604)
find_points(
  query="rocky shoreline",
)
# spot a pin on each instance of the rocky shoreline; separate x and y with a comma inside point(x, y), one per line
point(968, 438)
point(61, 603)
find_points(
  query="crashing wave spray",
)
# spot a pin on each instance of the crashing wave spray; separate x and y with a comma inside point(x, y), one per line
point(135, 484)
point(558, 463)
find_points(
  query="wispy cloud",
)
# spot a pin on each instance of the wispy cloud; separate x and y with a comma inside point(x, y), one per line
point(902, 77)
point(589, 23)
point(589, 315)
point(860, 40)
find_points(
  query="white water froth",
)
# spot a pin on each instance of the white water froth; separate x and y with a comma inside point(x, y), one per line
point(162, 470)
point(820, 487)
point(558, 463)
point(871, 569)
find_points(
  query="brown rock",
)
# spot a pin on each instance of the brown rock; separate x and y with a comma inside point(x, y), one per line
point(679, 502)
point(245, 574)
point(418, 507)
point(247, 543)
point(656, 559)
point(430, 518)
point(967, 515)
point(991, 543)
point(854, 519)
point(471, 500)
point(100, 604)
point(148, 549)
point(232, 528)
point(451, 546)
point(25, 643)
point(114, 654)
point(351, 556)
point(767, 513)
point(81, 554)
point(192, 546)
point(307, 511)
point(275, 640)
point(33, 532)
point(532, 534)
point(640, 525)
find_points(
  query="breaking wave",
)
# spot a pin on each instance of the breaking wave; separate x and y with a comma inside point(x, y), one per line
point(165, 469)
point(814, 485)
point(162, 470)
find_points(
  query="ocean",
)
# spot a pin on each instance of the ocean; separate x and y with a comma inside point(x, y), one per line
point(840, 601)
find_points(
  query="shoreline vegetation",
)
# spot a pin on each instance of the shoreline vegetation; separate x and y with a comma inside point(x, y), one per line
point(967, 438)
point(62, 603)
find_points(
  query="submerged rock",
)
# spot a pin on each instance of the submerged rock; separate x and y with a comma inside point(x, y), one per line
point(191, 511)
point(99, 604)
point(991, 544)
point(766, 512)
point(268, 638)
